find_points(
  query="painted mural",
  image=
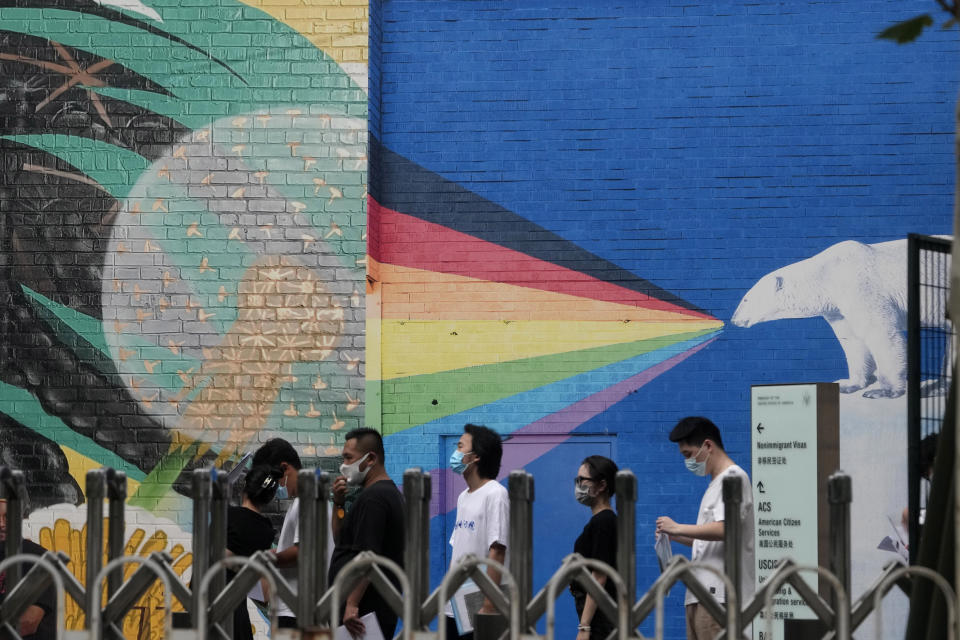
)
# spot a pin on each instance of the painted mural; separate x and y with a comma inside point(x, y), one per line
point(861, 291)
point(734, 164)
point(183, 195)
point(63, 528)
point(581, 224)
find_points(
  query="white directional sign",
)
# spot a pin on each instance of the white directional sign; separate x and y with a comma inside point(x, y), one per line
point(784, 472)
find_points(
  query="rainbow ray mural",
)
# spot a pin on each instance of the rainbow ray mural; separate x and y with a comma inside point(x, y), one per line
point(477, 314)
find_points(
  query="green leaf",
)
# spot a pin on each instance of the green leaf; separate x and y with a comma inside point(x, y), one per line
point(906, 31)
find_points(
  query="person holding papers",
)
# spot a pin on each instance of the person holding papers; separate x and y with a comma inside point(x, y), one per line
point(593, 488)
point(373, 523)
point(482, 527)
point(277, 453)
point(699, 442)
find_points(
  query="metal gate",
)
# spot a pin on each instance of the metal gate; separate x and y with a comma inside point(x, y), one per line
point(931, 356)
point(210, 598)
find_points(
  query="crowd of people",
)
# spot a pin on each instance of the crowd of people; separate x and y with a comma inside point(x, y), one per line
point(368, 515)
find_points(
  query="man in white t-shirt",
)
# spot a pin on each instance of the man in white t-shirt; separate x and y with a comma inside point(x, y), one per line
point(702, 448)
point(280, 454)
point(483, 508)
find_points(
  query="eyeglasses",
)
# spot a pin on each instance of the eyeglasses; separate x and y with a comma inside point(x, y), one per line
point(579, 480)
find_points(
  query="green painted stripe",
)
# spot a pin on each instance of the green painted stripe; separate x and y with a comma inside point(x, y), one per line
point(87, 33)
point(88, 328)
point(194, 77)
point(407, 402)
point(112, 167)
point(158, 483)
point(23, 407)
point(85, 335)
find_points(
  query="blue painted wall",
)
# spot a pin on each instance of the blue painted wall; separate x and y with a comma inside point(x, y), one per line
point(698, 145)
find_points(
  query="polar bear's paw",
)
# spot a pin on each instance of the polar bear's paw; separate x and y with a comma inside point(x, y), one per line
point(884, 392)
point(849, 385)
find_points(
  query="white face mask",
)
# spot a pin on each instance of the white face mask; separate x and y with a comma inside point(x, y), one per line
point(583, 495)
point(352, 471)
point(697, 468)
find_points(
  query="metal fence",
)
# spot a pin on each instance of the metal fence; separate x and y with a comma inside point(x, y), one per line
point(209, 598)
point(931, 356)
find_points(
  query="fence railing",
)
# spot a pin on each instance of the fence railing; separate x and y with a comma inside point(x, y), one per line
point(210, 599)
point(931, 356)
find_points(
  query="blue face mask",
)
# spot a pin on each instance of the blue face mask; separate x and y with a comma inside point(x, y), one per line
point(697, 468)
point(282, 493)
point(456, 462)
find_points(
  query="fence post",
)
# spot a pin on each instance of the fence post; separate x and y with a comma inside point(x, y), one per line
point(96, 491)
point(839, 495)
point(202, 490)
point(218, 535)
point(732, 535)
point(521, 538)
point(307, 554)
point(416, 495)
point(322, 534)
point(116, 524)
point(13, 488)
point(626, 532)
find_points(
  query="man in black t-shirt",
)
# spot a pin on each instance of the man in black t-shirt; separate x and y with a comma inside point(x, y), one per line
point(38, 621)
point(374, 523)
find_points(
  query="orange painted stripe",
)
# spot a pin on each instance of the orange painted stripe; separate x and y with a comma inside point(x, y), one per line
point(407, 293)
point(412, 242)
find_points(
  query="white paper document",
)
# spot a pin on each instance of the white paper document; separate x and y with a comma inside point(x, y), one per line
point(371, 629)
point(466, 602)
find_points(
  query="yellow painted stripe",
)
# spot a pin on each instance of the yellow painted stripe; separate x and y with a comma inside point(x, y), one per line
point(338, 27)
point(416, 294)
point(415, 348)
point(80, 464)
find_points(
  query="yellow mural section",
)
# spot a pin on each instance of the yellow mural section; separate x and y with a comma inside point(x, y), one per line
point(81, 464)
point(145, 619)
point(338, 27)
point(417, 348)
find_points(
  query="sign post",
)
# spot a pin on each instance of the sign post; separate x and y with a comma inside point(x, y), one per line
point(795, 436)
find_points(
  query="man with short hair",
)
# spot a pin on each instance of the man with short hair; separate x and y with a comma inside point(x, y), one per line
point(38, 621)
point(280, 454)
point(483, 508)
point(374, 522)
point(702, 448)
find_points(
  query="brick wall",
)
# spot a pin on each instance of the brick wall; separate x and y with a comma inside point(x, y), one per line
point(533, 155)
point(184, 237)
point(567, 202)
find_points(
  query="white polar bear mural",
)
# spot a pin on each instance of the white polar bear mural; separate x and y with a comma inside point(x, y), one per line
point(861, 291)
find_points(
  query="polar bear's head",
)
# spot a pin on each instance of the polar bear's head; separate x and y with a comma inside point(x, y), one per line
point(773, 297)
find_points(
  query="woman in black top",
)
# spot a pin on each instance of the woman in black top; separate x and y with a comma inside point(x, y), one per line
point(249, 531)
point(594, 488)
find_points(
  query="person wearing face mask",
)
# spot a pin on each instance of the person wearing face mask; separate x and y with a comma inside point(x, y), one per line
point(483, 508)
point(249, 531)
point(702, 448)
point(277, 453)
point(373, 523)
point(593, 488)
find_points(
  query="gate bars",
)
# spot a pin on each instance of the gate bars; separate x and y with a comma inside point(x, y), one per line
point(210, 599)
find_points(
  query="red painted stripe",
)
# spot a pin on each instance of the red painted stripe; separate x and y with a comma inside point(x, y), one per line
point(407, 241)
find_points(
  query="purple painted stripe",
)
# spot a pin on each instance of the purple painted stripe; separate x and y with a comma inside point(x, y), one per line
point(560, 424)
